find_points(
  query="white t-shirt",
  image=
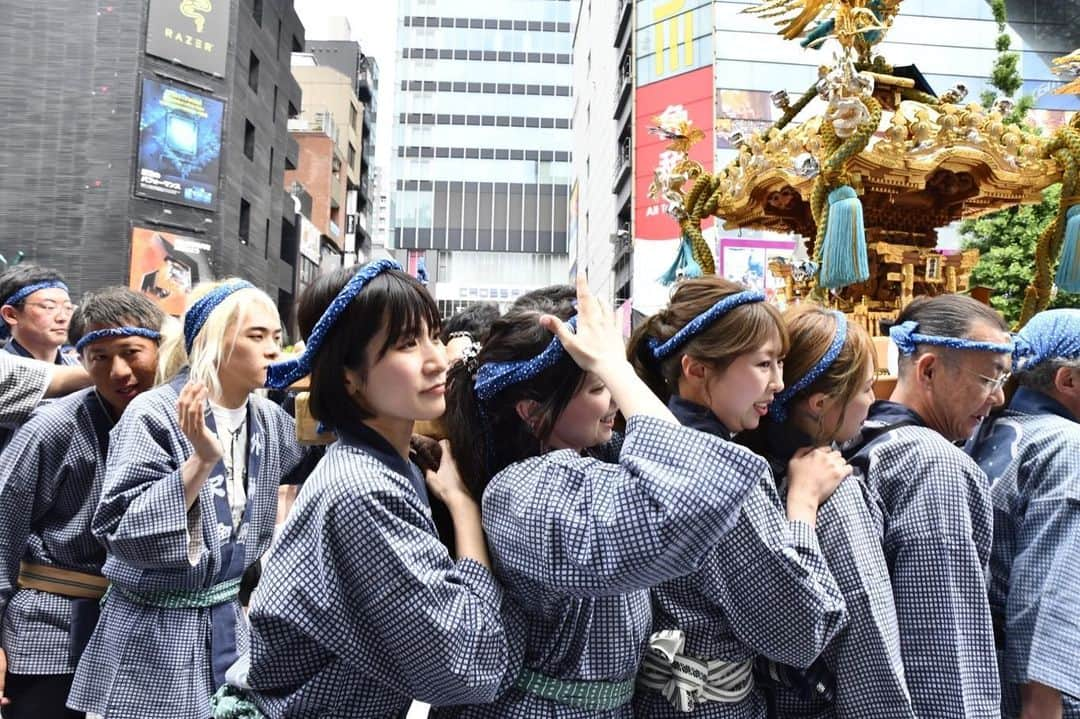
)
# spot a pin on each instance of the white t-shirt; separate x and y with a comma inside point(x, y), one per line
point(232, 433)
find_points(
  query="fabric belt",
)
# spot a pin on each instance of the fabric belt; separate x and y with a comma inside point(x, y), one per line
point(180, 598)
point(587, 695)
point(63, 582)
point(686, 681)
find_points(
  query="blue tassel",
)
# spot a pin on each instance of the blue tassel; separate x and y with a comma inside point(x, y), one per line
point(684, 265)
point(843, 251)
point(1068, 271)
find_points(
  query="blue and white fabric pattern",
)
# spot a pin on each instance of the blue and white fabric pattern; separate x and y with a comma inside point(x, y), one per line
point(154, 543)
point(764, 589)
point(937, 533)
point(341, 633)
point(50, 481)
point(694, 327)
point(1050, 334)
point(863, 661)
point(907, 339)
point(1031, 453)
point(577, 541)
point(200, 311)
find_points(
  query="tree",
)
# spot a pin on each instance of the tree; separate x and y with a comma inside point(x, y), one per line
point(1006, 243)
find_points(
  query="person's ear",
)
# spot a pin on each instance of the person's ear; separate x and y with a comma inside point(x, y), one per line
point(526, 410)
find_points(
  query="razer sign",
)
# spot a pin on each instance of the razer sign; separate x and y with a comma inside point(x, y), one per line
point(179, 145)
point(190, 32)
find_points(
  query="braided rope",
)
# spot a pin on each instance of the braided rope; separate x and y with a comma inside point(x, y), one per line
point(1064, 149)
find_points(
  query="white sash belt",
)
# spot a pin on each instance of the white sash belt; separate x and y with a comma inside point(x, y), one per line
point(686, 681)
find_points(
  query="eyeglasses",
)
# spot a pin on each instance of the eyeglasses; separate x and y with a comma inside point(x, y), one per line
point(54, 308)
point(991, 384)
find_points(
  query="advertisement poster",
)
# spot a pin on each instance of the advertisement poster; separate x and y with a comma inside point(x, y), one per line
point(179, 145)
point(165, 266)
point(746, 261)
point(194, 33)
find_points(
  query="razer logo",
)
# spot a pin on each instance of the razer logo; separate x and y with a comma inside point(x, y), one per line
point(194, 9)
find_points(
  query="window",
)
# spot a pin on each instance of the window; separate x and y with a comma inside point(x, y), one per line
point(245, 221)
point(266, 240)
point(253, 73)
point(270, 170)
point(352, 155)
point(352, 117)
point(249, 140)
point(273, 108)
point(256, 11)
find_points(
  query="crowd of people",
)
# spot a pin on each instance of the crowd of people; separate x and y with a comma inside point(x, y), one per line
point(715, 519)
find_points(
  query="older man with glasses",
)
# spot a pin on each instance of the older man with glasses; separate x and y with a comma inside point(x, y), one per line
point(36, 309)
point(1031, 455)
point(955, 355)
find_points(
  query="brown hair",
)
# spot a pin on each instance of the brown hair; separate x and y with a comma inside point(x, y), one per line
point(744, 329)
point(811, 329)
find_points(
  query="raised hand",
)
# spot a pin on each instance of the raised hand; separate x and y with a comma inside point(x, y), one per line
point(598, 342)
point(191, 409)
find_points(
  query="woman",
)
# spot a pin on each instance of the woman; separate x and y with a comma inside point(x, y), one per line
point(188, 504)
point(829, 375)
point(581, 522)
point(360, 608)
point(715, 354)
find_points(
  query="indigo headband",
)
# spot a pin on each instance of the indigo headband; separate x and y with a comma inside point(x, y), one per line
point(282, 374)
point(907, 339)
point(493, 377)
point(198, 313)
point(661, 350)
point(778, 408)
point(111, 332)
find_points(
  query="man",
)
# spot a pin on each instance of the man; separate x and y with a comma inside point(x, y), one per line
point(1031, 455)
point(50, 482)
point(955, 355)
point(36, 309)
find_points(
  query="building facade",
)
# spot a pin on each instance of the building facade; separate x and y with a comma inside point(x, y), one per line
point(482, 145)
point(151, 150)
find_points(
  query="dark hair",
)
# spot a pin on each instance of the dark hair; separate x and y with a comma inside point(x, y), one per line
point(475, 319)
point(545, 297)
point(24, 275)
point(1043, 376)
point(392, 300)
point(948, 315)
point(744, 329)
point(483, 444)
point(113, 307)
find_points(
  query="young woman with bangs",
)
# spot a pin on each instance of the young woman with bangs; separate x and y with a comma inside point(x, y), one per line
point(360, 608)
point(581, 521)
point(829, 386)
point(715, 354)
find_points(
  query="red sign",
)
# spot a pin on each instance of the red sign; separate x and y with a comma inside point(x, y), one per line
point(694, 91)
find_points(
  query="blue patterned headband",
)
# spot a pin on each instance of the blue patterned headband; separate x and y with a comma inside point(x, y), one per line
point(282, 374)
point(1051, 334)
point(200, 312)
point(660, 350)
point(493, 377)
point(115, 332)
point(778, 408)
point(19, 295)
point(907, 339)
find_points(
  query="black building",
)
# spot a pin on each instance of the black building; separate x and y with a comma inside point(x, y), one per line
point(148, 122)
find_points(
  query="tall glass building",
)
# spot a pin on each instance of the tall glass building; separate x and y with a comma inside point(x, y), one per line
point(482, 145)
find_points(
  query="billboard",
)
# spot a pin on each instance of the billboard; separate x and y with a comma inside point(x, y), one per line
point(194, 33)
point(746, 261)
point(179, 153)
point(165, 266)
point(674, 66)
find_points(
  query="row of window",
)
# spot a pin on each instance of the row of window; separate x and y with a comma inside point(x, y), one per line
point(484, 153)
point(416, 118)
point(487, 23)
point(501, 88)
point(430, 53)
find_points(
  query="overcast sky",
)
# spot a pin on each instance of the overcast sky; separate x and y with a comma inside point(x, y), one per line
point(373, 24)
